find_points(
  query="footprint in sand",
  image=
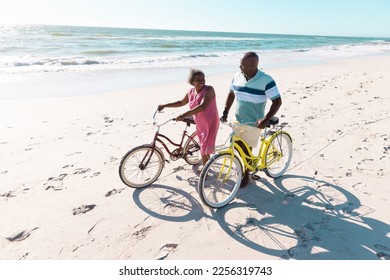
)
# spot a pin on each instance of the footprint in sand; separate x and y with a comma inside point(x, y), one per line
point(177, 169)
point(358, 186)
point(93, 133)
point(95, 174)
point(54, 188)
point(108, 119)
point(81, 171)
point(83, 209)
point(179, 178)
point(141, 234)
point(166, 250)
point(8, 194)
point(380, 173)
point(59, 178)
point(113, 191)
point(24, 256)
point(20, 236)
point(55, 179)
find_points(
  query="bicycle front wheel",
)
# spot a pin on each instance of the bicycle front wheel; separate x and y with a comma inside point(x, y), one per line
point(220, 180)
point(141, 166)
point(192, 150)
point(278, 154)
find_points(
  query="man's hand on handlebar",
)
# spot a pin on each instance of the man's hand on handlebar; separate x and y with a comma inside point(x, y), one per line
point(263, 123)
point(224, 115)
point(223, 118)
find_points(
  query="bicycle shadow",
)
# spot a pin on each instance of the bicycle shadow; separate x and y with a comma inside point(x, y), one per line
point(293, 217)
point(299, 217)
point(168, 203)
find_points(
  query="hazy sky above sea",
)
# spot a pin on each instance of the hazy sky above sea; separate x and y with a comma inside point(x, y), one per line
point(368, 18)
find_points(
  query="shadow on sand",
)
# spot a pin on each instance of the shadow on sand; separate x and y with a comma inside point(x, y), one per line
point(293, 217)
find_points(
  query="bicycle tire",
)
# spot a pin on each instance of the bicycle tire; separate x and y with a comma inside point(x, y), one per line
point(133, 175)
point(220, 180)
point(192, 150)
point(278, 154)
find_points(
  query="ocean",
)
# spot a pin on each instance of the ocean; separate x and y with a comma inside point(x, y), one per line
point(124, 57)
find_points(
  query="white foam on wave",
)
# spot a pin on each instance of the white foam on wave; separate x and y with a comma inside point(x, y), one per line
point(269, 58)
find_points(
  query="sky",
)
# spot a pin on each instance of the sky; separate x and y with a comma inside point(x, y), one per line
point(365, 18)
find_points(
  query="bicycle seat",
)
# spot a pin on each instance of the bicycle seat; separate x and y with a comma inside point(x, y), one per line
point(189, 121)
point(273, 121)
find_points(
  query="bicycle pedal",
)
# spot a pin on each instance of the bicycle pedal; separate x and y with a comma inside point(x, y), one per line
point(256, 177)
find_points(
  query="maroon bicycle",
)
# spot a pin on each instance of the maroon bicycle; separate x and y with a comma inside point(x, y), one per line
point(142, 165)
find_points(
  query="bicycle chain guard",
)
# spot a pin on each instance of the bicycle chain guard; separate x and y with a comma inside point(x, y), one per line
point(176, 154)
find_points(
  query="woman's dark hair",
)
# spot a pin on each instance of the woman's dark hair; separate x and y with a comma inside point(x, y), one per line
point(193, 73)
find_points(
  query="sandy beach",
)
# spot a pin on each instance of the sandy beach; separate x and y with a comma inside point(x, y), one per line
point(61, 196)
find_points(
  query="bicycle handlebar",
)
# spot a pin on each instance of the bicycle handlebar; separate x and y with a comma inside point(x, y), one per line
point(186, 120)
point(161, 124)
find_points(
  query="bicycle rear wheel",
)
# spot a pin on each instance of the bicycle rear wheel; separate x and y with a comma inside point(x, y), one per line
point(220, 180)
point(278, 154)
point(192, 150)
point(141, 166)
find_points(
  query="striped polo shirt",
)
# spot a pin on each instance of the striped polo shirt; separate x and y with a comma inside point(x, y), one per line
point(252, 96)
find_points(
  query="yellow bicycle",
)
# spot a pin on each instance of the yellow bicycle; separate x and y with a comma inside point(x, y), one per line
point(221, 177)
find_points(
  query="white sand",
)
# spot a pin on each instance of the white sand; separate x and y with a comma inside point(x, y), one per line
point(57, 155)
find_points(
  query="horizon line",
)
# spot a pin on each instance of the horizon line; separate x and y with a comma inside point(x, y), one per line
point(191, 30)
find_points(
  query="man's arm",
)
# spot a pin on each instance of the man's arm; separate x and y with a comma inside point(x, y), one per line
point(228, 105)
point(276, 103)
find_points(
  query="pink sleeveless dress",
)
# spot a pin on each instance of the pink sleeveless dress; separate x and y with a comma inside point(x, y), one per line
point(207, 121)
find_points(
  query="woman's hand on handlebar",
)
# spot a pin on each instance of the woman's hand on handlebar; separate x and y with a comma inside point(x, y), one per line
point(180, 118)
point(160, 107)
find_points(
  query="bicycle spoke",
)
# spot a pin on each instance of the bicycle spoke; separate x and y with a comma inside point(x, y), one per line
point(141, 166)
point(192, 150)
point(278, 155)
point(220, 180)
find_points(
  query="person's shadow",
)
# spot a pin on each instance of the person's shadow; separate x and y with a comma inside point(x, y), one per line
point(293, 217)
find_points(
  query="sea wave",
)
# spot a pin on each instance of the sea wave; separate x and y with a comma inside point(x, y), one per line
point(59, 34)
point(101, 52)
point(195, 38)
point(91, 60)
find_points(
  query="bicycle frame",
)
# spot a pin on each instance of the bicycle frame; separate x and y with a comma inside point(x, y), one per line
point(223, 174)
point(252, 162)
point(158, 136)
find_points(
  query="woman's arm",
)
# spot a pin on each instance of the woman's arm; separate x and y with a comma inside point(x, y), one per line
point(179, 103)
